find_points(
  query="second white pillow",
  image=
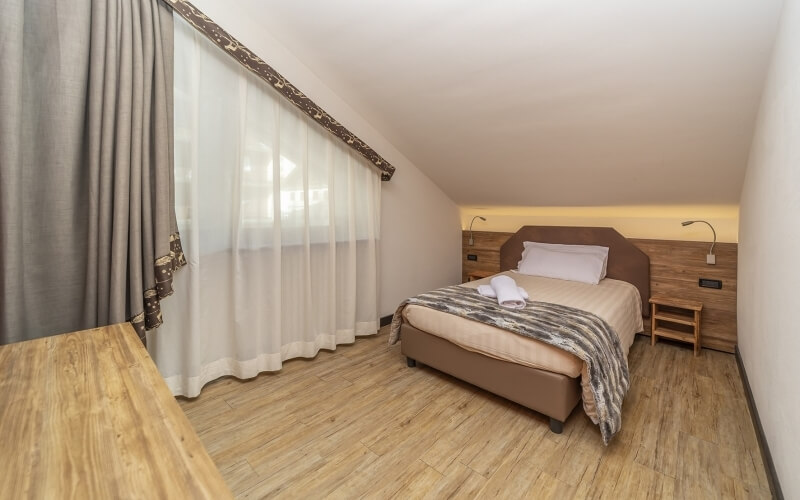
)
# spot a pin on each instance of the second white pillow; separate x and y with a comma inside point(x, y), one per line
point(558, 247)
point(572, 266)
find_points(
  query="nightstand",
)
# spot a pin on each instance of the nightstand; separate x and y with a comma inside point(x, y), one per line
point(476, 275)
point(676, 319)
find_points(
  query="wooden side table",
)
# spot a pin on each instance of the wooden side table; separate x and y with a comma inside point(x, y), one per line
point(476, 275)
point(677, 312)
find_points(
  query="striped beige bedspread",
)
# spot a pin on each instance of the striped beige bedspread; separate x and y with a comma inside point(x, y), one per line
point(617, 302)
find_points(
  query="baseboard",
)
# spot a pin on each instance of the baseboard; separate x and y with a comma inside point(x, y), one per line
point(386, 320)
point(766, 456)
point(684, 344)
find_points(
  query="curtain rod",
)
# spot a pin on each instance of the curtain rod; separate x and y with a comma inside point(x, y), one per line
point(255, 64)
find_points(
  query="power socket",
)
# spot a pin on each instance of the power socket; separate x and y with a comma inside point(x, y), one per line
point(710, 283)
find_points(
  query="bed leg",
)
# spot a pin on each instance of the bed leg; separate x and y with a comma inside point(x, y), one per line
point(556, 426)
point(411, 362)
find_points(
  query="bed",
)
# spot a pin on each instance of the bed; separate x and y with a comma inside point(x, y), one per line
point(547, 387)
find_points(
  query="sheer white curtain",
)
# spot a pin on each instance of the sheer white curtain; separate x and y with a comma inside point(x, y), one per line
point(279, 222)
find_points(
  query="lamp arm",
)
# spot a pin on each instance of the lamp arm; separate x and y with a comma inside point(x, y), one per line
point(711, 250)
point(471, 240)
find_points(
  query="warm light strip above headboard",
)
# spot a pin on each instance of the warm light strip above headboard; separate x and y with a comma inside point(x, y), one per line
point(251, 61)
point(659, 222)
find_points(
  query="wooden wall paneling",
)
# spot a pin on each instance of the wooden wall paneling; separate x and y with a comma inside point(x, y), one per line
point(675, 268)
point(486, 246)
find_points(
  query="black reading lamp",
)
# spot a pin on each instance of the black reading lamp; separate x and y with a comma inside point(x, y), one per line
point(471, 241)
point(710, 258)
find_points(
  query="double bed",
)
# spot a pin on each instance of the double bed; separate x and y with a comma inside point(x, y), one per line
point(534, 374)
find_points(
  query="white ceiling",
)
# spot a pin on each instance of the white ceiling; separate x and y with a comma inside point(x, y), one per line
point(548, 102)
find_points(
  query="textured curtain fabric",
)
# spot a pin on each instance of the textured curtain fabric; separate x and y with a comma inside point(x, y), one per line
point(280, 227)
point(89, 235)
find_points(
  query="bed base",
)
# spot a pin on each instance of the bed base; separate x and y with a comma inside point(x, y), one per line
point(551, 394)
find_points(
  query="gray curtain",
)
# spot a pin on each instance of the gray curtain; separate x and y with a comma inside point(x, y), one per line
point(89, 235)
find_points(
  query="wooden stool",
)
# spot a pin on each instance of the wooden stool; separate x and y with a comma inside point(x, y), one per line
point(681, 312)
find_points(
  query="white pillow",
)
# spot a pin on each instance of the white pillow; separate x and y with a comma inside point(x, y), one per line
point(557, 247)
point(572, 266)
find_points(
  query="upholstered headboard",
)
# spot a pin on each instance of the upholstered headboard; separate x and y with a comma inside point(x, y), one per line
point(625, 261)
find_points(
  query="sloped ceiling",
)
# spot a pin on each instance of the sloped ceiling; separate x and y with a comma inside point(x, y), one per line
point(548, 102)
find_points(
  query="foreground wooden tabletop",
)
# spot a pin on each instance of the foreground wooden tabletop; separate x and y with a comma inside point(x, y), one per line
point(87, 415)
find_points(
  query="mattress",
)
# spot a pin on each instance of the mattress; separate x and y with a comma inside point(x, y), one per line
point(617, 302)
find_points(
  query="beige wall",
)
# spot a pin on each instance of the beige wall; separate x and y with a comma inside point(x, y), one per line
point(420, 239)
point(649, 222)
point(769, 256)
point(420, 234)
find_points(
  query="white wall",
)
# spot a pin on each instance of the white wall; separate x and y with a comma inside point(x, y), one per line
point(420, 226)
point(420, 238)
point(769, 256)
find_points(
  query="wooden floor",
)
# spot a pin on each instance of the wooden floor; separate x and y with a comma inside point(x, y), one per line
point(357, 422)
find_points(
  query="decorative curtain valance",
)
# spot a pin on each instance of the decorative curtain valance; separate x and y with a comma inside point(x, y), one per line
point(251, 61)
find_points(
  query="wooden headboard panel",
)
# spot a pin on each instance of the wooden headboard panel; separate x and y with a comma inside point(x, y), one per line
point(625, 261)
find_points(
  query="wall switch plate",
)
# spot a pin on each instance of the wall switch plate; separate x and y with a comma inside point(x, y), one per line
point(472, 256)
point(711, 259)
point(709, 283)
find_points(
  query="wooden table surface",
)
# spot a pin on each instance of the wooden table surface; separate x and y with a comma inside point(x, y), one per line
point(87, 415)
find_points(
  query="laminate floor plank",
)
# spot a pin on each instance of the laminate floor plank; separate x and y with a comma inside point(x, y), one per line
point(508, 481)
point(358, 423)
point(335, 471)
point(700, 403)
point(394, 457)
point(240, 477)
point(460, 482)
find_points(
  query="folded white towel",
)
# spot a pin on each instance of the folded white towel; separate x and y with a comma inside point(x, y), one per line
point(488, 291)
point(507, 292)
